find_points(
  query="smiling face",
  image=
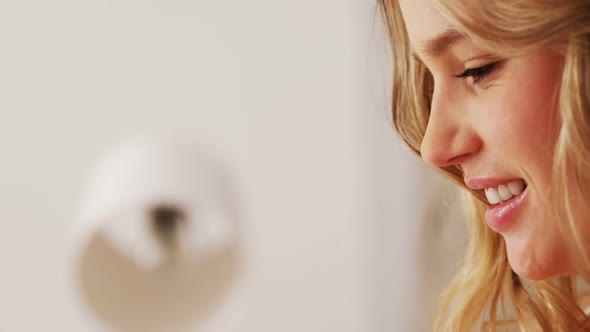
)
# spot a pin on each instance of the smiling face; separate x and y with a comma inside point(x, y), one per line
point(497, 118)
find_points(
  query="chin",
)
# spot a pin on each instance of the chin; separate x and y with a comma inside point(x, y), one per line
point(528, 271)
point(534, 263)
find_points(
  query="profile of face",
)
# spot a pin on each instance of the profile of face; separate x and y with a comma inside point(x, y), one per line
point(498, 119)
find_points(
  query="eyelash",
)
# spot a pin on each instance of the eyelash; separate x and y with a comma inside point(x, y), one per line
point(478, 73)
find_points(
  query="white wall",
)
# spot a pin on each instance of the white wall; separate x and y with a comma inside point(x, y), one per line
point(414, 217)
point(282, 90)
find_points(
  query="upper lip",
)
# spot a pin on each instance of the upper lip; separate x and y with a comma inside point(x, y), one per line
point(481, 182)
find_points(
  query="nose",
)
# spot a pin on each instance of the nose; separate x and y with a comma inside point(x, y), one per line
point(450, 136)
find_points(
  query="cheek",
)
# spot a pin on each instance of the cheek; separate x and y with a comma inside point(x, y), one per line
point(534, 94)
point(532, 123)
point(521, 115)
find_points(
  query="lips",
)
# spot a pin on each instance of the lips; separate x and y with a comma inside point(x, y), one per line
point(500, 216)
point(479, 183)
point(506, 197)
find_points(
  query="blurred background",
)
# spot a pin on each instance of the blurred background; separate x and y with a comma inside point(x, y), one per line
point(341, 228)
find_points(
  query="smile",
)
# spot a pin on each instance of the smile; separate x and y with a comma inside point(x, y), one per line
point(503, 213)
point(505, 192)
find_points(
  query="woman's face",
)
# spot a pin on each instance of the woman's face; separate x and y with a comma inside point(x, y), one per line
point(497, 118)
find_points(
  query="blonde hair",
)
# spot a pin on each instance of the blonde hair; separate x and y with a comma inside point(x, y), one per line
point(486, 284)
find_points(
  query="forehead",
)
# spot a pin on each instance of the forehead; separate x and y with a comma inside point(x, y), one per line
point(422, 21)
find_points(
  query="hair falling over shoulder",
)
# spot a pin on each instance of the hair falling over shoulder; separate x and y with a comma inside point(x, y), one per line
point(486, 294)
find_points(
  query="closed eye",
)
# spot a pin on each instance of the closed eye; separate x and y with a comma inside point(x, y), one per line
point(478, 73)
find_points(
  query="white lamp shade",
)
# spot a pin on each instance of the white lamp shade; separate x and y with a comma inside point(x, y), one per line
point(156, 238)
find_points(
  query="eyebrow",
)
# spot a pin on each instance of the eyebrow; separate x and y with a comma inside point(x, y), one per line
point(440, 44)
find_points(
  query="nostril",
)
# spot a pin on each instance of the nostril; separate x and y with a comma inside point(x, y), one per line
point(166, 221)
point(458, 159)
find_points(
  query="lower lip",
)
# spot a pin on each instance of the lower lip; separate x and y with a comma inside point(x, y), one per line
point(500, 216)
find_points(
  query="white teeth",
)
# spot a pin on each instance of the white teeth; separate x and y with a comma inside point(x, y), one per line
point(492, 195)
point(516, 187)
point(504, 192)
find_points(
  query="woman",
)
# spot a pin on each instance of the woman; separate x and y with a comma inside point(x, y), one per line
point(496, 94)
